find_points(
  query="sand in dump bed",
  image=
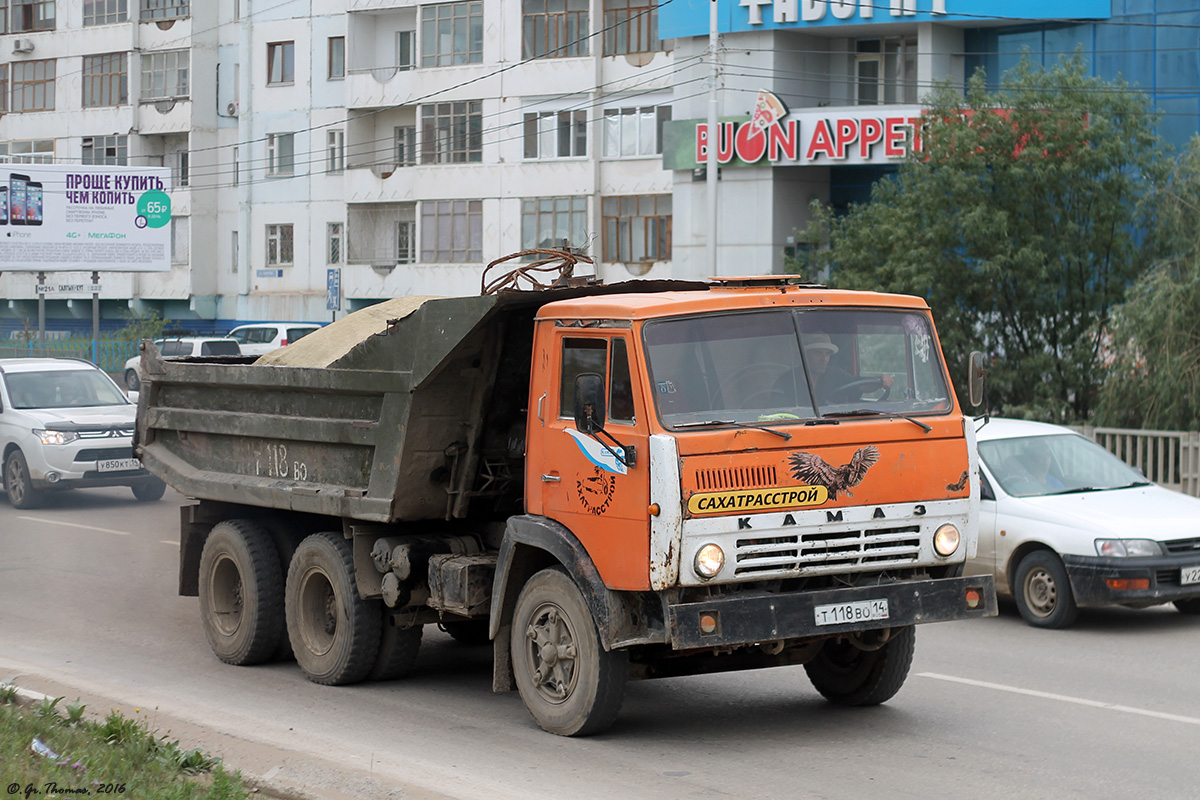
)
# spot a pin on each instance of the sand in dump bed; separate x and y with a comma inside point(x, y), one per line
point(326, 345)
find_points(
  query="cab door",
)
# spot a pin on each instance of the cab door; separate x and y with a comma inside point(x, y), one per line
point(598, 485)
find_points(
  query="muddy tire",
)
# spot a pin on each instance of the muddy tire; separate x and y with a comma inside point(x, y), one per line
point(398, 648)
point(150, 491)
point(334, 632)
point(241, 593)
point(850, 676)
point(1043, 591)
point(471, 633)
point(18, 483)
point(569, 683)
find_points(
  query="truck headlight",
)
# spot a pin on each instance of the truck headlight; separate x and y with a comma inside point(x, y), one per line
point(1121, 548)
point(709, 560)
point(945, 540)
point(56, 437)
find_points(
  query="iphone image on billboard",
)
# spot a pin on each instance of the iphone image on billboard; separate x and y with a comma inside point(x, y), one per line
point(33, 204)
point(3, 205)
point(17, 189)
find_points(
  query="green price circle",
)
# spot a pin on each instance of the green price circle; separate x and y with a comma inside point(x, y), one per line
point(155, 206)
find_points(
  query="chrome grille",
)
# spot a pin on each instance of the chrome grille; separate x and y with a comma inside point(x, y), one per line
point(113, 433)
point(1183, 547)
point(709, 480)
point(815, 551)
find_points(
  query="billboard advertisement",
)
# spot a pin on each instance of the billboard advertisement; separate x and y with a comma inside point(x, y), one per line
point(690, 17)
point(66, 217)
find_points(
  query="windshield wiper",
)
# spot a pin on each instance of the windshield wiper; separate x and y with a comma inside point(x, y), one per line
point(714, 422)
point(1077, 490)
point(871, 412)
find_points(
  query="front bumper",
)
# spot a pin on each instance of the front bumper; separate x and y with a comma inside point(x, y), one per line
point(76, 465)
point(747, 618)
point(1089, 574)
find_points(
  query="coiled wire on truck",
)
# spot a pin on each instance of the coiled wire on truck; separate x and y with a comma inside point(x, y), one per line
point(550, 261)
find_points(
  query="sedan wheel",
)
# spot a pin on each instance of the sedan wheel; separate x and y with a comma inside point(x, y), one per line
point(17, 482)
point(1044, 595)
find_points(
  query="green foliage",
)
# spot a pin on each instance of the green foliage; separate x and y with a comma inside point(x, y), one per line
point(47, 709)
point(8, 694)
point(75, 712)
point(137, 328)
point(1017, 223)
point(1154, 380)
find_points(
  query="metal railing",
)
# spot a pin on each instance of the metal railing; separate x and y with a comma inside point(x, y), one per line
point(1169, 458)
point(108, 356)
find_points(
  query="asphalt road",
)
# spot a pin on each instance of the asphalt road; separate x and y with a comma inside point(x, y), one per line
point(992, 708)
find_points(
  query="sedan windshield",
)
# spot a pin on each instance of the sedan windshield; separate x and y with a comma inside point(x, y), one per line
point(63, 389)
point(775, 366)
point(1033, 466)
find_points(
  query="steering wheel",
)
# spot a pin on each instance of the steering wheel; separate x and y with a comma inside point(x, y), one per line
point(855, 388)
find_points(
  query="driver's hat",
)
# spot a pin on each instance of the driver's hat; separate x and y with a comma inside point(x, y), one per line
point(819, 341)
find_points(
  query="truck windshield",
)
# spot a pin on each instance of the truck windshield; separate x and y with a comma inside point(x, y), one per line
point(778, 366)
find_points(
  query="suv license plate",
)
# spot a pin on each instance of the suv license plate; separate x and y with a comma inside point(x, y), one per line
point(1189, 575)
point(118, 464)
point(858, 611)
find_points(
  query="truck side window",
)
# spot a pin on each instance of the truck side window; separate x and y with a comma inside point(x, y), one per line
point(620, 385)
point(579, 356)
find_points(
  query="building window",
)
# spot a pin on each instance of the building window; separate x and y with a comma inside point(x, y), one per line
point(337, 57)
point(886, 70)
point(182, 168)
point(3, 88)
point(281, 62)
point(555, 134)
point(631, 26)
point(333, 234)
point(451, 231)
point(279, 246)
point(451, 34)
point(32, 15)
point(112, 151)
point(165, 75)
point(165, 9)
point(105, 80)
point(406, 242)
point(281, 153)
point(452, 133)
point(406, 145)
point(235, 253)
point(28, 151)
point(33, 85)
point(634, 131)
point(548, 221)
point(404, 50)
point(335, 151)
point(104, 12)
point(237, 166)
point(637, 228)
point(554, 28)
point(180, 239)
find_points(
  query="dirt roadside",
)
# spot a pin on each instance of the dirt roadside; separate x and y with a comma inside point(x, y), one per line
point(270, 770)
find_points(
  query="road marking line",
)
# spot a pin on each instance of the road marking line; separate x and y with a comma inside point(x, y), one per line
point(75, 525)
point(164, 541)
point(1062, 698)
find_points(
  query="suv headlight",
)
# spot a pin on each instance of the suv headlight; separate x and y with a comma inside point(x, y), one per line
point(1121, 548)
point(56, 437)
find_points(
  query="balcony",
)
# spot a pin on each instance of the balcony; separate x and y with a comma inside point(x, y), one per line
point(164, 116)
point(378, 5)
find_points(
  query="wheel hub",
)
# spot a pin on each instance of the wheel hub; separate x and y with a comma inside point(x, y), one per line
point(1042, 592)
point(551, 642)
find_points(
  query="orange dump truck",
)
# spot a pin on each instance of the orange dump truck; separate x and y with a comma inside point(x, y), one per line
point(608, 482)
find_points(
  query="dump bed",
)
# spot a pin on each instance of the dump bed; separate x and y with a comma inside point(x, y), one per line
point(412, 409)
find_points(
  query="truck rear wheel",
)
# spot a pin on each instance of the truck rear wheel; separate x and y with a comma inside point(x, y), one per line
point(569, 683)
point(334, 632)
point(241, 592)
point(848, 675)
point(398, 648)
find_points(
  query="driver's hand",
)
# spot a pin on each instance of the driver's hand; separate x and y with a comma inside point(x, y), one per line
point(887, 380)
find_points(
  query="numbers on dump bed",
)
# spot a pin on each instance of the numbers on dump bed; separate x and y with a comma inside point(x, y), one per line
point(273, 463)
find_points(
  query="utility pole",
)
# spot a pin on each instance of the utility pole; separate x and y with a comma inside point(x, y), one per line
point(714, 142)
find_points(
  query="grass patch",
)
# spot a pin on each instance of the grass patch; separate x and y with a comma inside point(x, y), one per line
point(43, 754)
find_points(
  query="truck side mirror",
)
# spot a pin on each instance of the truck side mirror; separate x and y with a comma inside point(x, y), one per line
point(976, 379)
point(589, 402)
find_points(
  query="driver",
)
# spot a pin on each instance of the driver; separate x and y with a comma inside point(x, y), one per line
point(831, 383)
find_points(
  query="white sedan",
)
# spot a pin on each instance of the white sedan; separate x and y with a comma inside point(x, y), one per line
point(1065, 524)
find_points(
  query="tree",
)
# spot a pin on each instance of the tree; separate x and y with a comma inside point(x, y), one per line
point(1154, 380)
point(1018, 221)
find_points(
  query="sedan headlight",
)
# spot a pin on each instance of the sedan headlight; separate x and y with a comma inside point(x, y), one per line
point(1122, 548)
point(56, 437)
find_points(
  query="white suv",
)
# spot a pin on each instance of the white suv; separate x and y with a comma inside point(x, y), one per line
point(263, 337)
point(63, 424)
point(183, 346)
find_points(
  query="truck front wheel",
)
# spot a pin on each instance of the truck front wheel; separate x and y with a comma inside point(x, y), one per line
point(846, 674)
point(569, 683)
point(334, 632)
point(241, 592)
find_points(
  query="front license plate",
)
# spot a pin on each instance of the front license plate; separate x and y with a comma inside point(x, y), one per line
point(858, 611)
point(1189, 575)
point(118, 464)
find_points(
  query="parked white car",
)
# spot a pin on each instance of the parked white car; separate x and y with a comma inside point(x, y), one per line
point(263, 337)
point(63, 424)
point(1065, 524)
point(182, 346)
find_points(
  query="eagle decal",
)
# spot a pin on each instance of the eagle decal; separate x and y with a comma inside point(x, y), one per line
point(813, 470)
